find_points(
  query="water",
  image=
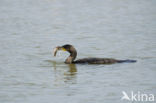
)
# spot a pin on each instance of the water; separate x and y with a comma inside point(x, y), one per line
point(30, 29)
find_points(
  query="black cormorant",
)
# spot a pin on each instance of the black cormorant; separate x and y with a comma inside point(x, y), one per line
point(73, 53)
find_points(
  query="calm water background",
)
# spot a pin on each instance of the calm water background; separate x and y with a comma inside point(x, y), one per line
point(30, 29)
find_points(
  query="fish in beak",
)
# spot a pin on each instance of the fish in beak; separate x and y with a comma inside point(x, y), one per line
point(58, 48)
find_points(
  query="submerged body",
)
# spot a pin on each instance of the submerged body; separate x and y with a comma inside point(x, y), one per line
point(96, 60)
point(73, 54)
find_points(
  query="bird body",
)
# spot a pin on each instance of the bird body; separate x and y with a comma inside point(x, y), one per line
point(96, 60)
point(73, 53)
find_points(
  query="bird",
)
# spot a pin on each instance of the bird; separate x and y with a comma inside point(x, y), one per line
point(73, 54)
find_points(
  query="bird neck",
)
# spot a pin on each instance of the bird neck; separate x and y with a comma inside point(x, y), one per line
point(72, 56)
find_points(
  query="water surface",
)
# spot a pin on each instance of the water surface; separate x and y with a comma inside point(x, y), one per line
point(30, 29)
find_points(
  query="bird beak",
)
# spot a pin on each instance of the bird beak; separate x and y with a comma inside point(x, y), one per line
point(58, 48)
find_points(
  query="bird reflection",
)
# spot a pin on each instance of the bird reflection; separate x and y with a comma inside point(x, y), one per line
point(64, 73)
point(72, 69)
point(70, 75)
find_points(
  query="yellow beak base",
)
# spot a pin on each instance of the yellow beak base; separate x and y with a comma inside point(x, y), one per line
point(64, 49)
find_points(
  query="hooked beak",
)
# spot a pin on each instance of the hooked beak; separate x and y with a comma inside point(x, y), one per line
point(58, 48)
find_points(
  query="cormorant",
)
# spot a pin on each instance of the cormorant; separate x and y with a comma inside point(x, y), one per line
point(73, 53)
